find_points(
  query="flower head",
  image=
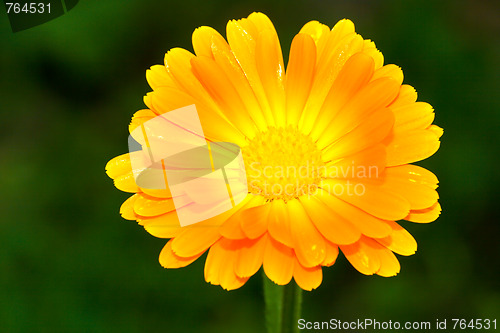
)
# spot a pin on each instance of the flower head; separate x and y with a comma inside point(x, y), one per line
point(327, 144)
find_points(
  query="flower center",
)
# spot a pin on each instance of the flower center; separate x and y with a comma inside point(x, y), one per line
point(282, 163)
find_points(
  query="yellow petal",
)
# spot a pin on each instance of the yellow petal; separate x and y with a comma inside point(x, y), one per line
point(279, 223)
point(412, 116)
point(254, 220)
point(332, 252)
point(163, 226)
point(231, 228)
point(169, 259)
point(166, 99)
point(243, 46)
point(341, 29)
point(126, 183)
point(127, 208)
point(150, 206)
point(215, 259)
point(215, 126)
point(363, 221)
point(261, 22)
point(372, 98)
point(372, 131)
point(325, 75)
point(147, 101)
point(195, 239)
point(411, 146)
point(371, 198)
point(158, 76)
point(413, 183)
point(355, 74)
point(319, 33)
point(221, 90)
point(438, 131)
point(331, 225)
point(278, 262)
point(202, 40)
point(308, 243)
point(362, 256)
point(370, 49)
point(139, 118)
point(372, 160)
point(271, 70)
point(178, 64)
point(307, 278)
point(407, 95)
point(392, 71)
point(218, 221)
point(164, 194)
point(299, 76)
point(227, 62)
point(144, 113)
point(250, 27)
point(425, 215)
point(389, 264)
point(227, 277)
point(250, 256)
point(372, 258)
point(118, 166)
point(399, 241)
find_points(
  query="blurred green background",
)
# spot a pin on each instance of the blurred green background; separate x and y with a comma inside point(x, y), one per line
point(69, 263)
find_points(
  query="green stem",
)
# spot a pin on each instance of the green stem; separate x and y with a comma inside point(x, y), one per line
point(283, 306)
point(292, 306)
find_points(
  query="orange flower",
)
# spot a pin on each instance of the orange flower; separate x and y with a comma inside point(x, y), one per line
point(327, 146)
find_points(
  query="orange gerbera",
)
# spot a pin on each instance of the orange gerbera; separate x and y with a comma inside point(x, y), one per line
point(326, 144)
